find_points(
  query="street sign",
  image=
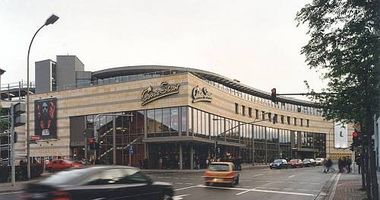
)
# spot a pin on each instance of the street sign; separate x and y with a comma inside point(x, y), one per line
point(131, 149)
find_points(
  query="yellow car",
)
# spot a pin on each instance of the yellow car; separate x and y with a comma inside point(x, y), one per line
point(221, 173)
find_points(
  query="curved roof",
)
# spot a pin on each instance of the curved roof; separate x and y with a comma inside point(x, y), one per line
point(141, 69)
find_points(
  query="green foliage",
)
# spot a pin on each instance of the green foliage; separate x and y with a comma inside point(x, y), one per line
point(343, 43)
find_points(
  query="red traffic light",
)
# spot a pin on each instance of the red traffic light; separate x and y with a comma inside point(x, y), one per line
point(355, 134)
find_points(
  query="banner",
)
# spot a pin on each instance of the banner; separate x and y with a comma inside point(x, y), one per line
point(340, 135)
point(45, 118)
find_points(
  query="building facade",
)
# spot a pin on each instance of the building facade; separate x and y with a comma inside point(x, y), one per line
point(174, 118)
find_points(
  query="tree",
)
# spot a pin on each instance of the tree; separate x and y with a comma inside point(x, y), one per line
point(344, 45)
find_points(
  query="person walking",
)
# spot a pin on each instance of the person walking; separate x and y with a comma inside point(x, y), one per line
point(340, 165)
point(328, 165)
point(348, 162)
point(357, 161)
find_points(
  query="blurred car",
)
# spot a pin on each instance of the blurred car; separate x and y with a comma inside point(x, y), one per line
point(221, 172)
point(295, 163)
point(309, 162)
point(279, 164)
point(98, 182)
point(319, 161)
point(58, 165)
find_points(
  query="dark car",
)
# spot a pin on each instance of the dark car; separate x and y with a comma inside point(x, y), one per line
point(279, 164)
point(99, 182)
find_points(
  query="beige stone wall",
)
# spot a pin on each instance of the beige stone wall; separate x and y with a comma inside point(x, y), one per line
point(127, 96)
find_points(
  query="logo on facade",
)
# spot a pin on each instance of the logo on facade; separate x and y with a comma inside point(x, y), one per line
point(148, 95)
point(201, 95)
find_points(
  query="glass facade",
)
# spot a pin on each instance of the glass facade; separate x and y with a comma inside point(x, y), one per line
point(221, 138)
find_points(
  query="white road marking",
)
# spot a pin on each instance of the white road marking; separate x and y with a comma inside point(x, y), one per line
point(257, 175)
point(334, 187)
point(281, 192)
point(179, 197)
point(291, 176)
point(5, 193)
point(240, 193)
point(185, 188)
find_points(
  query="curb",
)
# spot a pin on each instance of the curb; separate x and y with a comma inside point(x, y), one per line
point(328, 190)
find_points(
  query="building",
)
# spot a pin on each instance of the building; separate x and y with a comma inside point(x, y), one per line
point(168, 117)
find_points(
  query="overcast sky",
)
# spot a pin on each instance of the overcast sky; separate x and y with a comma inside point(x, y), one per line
point(254, 41)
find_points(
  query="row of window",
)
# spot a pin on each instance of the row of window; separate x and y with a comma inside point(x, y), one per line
point(284, 106)
point(271, 117)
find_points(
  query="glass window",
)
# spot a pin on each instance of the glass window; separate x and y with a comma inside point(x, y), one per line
point(243, 110)
point(250, 112)
point(165, 120)
point(174, 120)
point(158, 118)
point(150, 121)
point(236, 108)
point(183, 119)
point(190, 120)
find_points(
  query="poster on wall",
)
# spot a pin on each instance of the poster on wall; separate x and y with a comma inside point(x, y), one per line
point(340, 135)
point(45, 118)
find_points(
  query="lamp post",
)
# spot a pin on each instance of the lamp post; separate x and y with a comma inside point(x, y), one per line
point(51, 20)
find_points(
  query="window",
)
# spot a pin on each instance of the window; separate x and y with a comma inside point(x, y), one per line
point(236, 108)
point(295, 121)
point(270, 116)
point(250, 112)
point(257, 114)
point(243, 110)
point(263, 115)
point(301, 122)
point(288, 119)
point(282, 119)
point(307, 123)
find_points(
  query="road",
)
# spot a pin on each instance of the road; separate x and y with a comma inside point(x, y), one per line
point(292, 184)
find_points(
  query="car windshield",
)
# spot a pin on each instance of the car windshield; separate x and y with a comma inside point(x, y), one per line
point(293, 160)
point(277, 161)
point(219, 167)
point(64, 177)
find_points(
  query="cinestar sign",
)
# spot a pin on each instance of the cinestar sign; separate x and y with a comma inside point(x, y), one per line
point(148, 95)
point(201, 95)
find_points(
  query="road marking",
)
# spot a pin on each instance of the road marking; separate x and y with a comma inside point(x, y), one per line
point(240, 193)
point(179, 197)
point(257, 175)
point(291, 176)
point(185, 188)
point(5, 193)
point(281, 192)
point(334, 187)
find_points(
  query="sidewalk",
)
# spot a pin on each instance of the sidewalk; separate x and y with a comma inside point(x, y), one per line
point(348, 187)
point(7, 187)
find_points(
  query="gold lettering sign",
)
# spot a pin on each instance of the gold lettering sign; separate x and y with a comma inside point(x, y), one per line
point(201, 95)
point(148, 95)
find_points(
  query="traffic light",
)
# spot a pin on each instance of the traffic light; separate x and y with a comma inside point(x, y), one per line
point(356, 139)
point(19, 118)
point(273, 95)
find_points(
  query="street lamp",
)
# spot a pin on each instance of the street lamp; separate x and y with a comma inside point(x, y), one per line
point(51, 20)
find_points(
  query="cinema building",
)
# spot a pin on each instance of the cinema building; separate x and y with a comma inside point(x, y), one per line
point(167, 117)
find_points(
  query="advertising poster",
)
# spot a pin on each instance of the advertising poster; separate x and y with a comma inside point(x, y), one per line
point(340, 135)
point(45, 118)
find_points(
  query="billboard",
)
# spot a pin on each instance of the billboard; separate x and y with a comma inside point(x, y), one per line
point(45, 118)
point(340, 135)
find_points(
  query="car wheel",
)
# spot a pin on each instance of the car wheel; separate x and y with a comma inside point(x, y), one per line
point(207, 184)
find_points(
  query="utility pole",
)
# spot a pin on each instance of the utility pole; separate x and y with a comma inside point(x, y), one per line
point(13, 170)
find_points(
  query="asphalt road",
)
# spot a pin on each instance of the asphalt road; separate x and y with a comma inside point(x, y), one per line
point(292, 184)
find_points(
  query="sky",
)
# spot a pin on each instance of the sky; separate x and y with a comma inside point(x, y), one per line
point(254, 41)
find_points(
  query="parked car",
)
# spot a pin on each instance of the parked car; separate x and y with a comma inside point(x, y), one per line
point(309, 162)
point(319, 161)
point(99, 182)
point(221, 173)
point(295, 163)
point(59, 165)
point(279, 164)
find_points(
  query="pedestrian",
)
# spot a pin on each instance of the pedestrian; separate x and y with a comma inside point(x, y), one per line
point(348, 162)
point(328, 165)
point(357, 161)
point(340, 165)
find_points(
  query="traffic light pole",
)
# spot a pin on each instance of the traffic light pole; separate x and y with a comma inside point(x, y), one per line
point(13, 170)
